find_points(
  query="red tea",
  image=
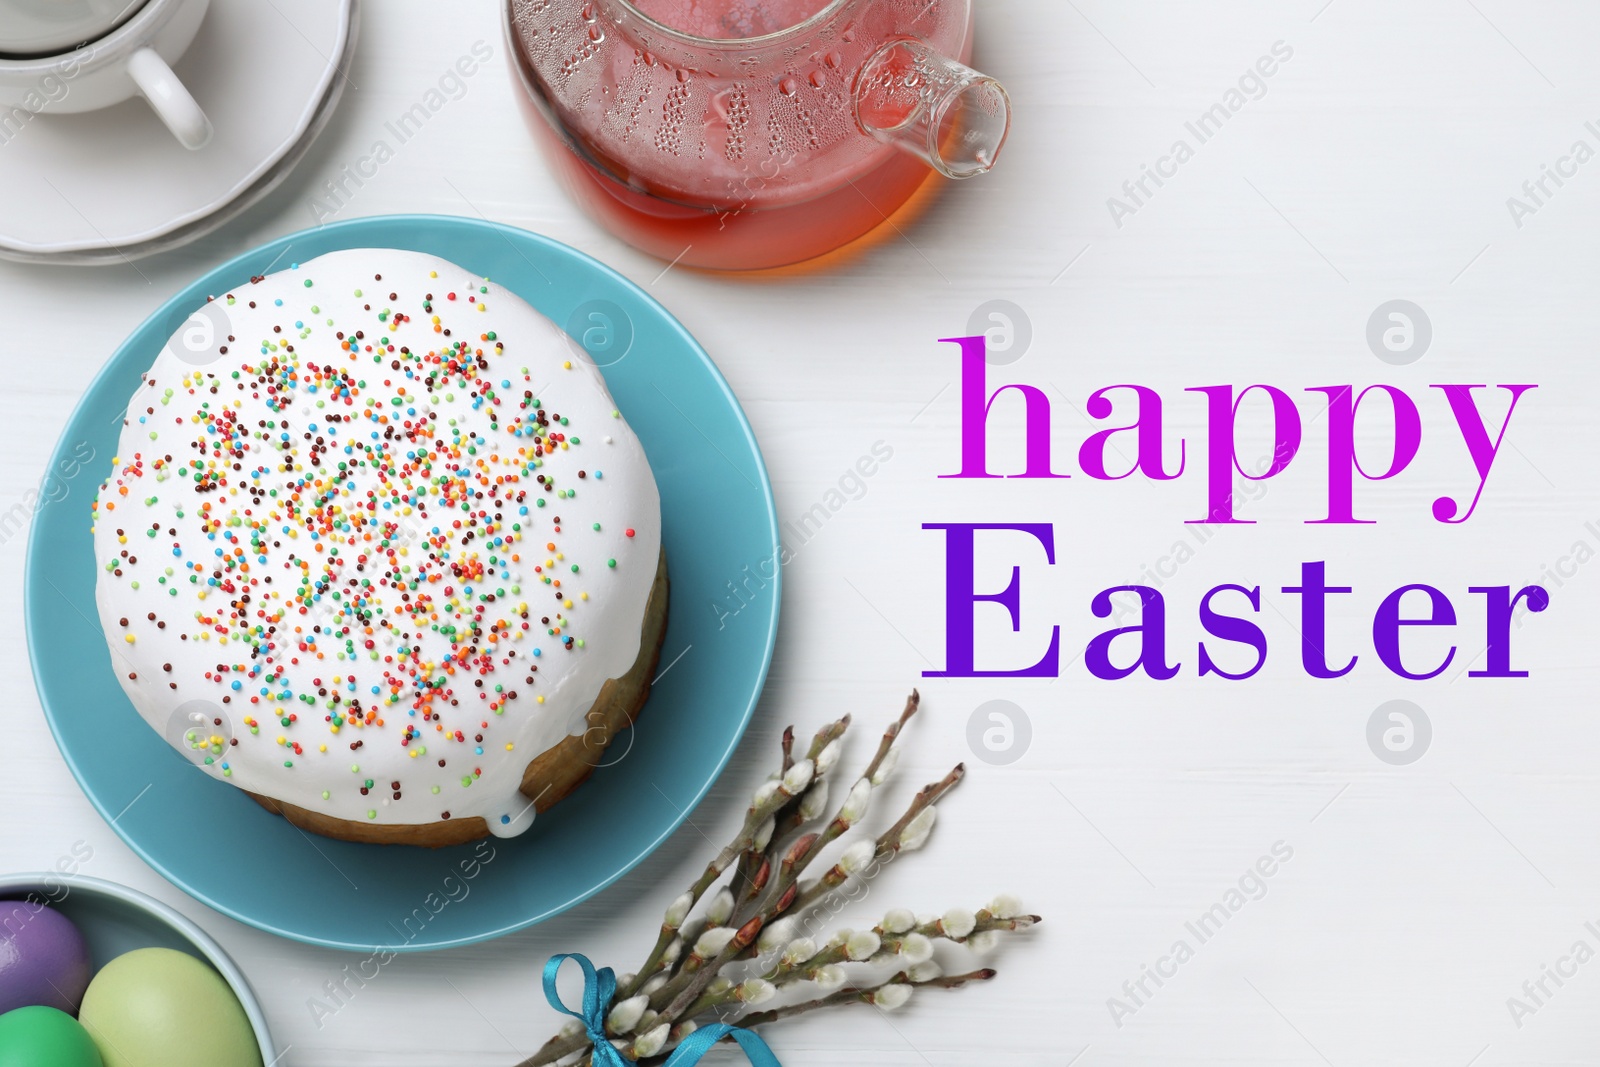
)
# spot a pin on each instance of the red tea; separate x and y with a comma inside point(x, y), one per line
point(721, 154)
point(729, 20)
point(733, 237)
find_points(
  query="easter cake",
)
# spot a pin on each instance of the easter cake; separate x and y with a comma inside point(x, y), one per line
point(378, 548)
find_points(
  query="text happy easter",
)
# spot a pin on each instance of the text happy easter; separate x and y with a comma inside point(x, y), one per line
point(1136, 446)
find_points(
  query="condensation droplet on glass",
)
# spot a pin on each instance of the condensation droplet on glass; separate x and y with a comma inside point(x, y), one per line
point(832, 60)
point(788, 85)
point(683, 75)
point(817, 79)
point(596, 34)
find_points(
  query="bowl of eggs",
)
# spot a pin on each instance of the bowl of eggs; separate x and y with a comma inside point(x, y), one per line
point(94, 974)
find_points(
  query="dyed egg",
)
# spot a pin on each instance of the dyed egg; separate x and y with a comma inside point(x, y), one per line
point(43, 958)
point(45, 1037)
point(157, 1007)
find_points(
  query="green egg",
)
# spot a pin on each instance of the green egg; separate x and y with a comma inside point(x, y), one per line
point(45, 1037)
point(157, 1007)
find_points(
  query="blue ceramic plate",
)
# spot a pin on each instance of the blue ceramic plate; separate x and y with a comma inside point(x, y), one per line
point(216, 844)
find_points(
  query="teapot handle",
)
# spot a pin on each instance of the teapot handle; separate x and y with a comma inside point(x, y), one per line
point(944, 112)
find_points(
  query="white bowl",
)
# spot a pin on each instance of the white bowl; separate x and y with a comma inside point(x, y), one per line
point(115, 919)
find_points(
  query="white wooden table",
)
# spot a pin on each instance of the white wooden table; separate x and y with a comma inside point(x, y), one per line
point(1376, 165)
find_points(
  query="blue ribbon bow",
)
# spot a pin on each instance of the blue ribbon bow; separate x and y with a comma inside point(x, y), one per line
point(598, 989)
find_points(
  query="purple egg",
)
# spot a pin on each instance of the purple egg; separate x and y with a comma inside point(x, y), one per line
point(43, 958)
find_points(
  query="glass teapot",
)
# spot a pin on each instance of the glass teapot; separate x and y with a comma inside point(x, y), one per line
point(741, 134)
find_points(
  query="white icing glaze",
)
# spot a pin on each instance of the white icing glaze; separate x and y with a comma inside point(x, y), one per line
point(182, 535)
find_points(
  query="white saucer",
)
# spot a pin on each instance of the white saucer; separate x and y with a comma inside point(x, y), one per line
point(112, 185)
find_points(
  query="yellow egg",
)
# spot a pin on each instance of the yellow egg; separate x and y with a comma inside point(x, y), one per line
point(157, 1007)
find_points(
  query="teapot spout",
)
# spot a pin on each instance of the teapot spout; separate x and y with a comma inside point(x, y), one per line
point(941, 111)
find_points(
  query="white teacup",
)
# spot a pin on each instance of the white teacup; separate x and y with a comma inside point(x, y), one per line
point(68, 56)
